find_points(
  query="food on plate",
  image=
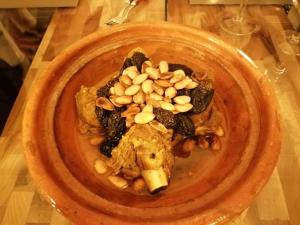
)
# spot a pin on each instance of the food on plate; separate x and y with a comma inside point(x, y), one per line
point(145, 117)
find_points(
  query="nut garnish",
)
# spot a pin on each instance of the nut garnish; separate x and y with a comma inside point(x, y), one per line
point(147, 86)
point(182, 84)
point(140, 78)
point(125, 80)
point(159, 90)
point(104, 103)
point(131, 71)
point(182, 99)
point(123, 100)
point(139, 98)
point(119, 182)
point(100, 166)
point(192, 85)
point(96, 140)
point(166, 75)
point(184, 107)
point(170, 92)
point(153, 73)
point(148, 108)
point(143, 117)
point(119, 89)
point(156, 97)
point(163, 66)
point(132, 90)
point(163, 83)
point(167, 106)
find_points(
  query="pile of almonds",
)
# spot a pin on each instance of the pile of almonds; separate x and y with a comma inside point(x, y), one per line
point(153, 87)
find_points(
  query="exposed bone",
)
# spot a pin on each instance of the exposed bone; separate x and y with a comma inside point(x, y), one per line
point(155, 179)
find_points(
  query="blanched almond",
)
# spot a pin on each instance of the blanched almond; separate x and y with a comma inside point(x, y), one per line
point(139, 98)
point(104, 103)
point(132, 90)
point(154, 103)
point(148, 108)
point(182, 99)
point(159, 90)
point(131, 111)
point(125, 80)
point(147, 86)
point(163, 66)
point(113, 100)
point(184, 107)
point(170, 92)
point(131, 71)
point(179, 72)
point(118, 182)
point(166, 75)
point(155, 96)
point(182, 84)
point(140, 78)
point(178, 76)
point(100, 166)
point(123, 100)
point(119, 89)
point(153, 73)
point(139, 185)
point(167, 106)
point(96, 140)
point(192, 85)
point(163, 83)
point(145, 65)
point(143, 117)
point(219, 131)
point(112, 91)
point(166, 99)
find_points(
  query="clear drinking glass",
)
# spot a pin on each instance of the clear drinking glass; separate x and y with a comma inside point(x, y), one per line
point(293, 38)
point(238, 24)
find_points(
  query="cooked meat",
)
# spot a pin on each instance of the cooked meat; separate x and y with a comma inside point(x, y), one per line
point(85, 102)
point(143, 148)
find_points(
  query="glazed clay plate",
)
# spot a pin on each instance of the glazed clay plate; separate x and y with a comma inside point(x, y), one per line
point(207, 187)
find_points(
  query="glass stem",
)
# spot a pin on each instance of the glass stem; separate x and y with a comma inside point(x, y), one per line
point(243, 5)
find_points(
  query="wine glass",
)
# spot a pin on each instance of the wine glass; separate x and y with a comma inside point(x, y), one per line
point(238, 25)
point(293, 38)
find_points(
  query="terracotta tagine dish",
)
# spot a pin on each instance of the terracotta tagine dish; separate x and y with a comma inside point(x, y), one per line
point(151, 124)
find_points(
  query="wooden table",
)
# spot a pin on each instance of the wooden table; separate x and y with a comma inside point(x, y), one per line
point(277, 204)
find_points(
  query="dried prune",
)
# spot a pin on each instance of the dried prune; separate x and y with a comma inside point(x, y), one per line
point(201, 96)
point(104, 91)
point(184, 125)
point(102, 116)
point(137, 60)
point(187, 70)
point(183, 92)
point(107, 146)
point(127, 63)
point(112, 122)
point(116, 125)
point(165, 117)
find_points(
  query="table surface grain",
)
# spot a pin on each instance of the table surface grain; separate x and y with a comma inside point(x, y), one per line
point(277, 204)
